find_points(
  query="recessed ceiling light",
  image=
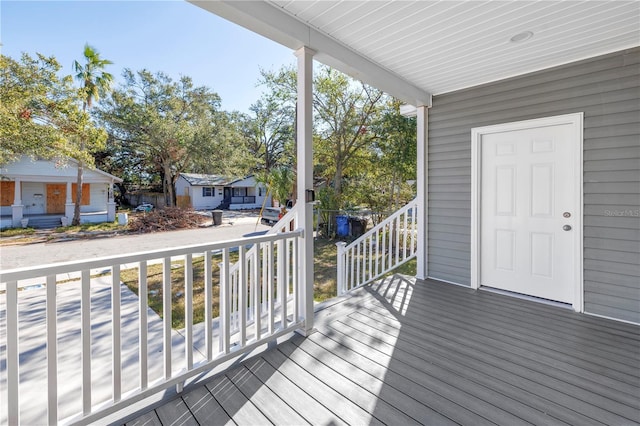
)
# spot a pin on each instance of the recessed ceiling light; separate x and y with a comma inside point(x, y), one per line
point(526, 35)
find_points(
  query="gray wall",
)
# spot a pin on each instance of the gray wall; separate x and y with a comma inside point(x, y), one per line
point(607, 90)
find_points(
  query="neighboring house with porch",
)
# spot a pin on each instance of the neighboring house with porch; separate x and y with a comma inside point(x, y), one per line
point(207, 192)
point(525, 305)
point(41, 192)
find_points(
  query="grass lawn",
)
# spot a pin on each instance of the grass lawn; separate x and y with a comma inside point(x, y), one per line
point(90, 227)
point(14, 232)
point(324, 286)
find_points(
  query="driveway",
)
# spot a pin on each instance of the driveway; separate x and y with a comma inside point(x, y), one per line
point(235, 225)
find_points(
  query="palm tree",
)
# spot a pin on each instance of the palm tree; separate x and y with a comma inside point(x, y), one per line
point(95, 83)
point(281, 185)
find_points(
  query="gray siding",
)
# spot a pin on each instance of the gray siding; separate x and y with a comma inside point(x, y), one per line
point(607, 90)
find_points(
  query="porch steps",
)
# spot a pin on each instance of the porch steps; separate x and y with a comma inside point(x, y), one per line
point(44, 222)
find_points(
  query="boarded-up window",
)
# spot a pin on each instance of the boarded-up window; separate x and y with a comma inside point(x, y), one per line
point(7, 193)
point(86, 193)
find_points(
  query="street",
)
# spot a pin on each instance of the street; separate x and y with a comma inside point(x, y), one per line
point(20, 256)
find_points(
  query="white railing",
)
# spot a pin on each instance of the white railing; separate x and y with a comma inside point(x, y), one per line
point(79, 345)
point(280, 272)
point(380, 250)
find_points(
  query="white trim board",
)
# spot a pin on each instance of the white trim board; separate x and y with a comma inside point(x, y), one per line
point(576, 121)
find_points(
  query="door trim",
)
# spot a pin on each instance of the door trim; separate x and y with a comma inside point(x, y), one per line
point(576, 121)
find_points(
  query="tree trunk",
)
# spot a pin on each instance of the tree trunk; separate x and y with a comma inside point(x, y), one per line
point(337, 180)
point(168, 186)
point(78, 195)
point(392, 190)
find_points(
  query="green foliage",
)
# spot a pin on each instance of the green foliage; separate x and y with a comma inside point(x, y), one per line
point(159, 127)
point(268, 133)
point(40, 114)
point(280, 183)
point(95, 82)
point(383, 185)
point(350, 136)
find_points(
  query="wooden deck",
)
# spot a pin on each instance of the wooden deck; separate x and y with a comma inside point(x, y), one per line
point(401, 352)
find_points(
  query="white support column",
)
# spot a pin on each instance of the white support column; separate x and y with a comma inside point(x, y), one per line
point(68, 204)
point(111, 203)
point(305, 182)
point(422, 180)
point(17, 207)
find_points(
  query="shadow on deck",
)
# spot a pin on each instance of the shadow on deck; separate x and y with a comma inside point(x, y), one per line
point(406, 352)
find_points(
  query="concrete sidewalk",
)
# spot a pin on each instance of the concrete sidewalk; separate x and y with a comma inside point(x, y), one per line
point(33, 360)
point(234, 226)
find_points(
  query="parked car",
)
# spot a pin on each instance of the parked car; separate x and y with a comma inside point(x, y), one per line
point(270, 215)
point(145, 207)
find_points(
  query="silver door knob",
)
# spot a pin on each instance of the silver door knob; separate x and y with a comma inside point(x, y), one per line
point(566, 228)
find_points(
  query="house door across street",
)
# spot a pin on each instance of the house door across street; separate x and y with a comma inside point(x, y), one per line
point(530, 209)
point(56, 197)
point(227, 194)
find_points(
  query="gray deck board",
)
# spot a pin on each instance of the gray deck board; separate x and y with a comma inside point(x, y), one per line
point(551, 351)
point(430, 353)
point(345, 409)
point(234, 403)
point(487, 339)
point(205, 408)
point(369, 380)
point(176, 413)
point(514, 362)
point(270, 404)
point(361, 395)
point(551, 389)
point(147, 419)
point(304, 404)
point(407, 373)
point(531, 323)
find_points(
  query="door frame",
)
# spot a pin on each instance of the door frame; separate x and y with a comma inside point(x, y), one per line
point(576, 121)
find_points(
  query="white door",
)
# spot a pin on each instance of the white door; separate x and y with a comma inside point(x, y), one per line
point(529, 202)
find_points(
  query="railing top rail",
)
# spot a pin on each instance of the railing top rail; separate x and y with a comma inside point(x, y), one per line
point(411, 204)
point(281, 224)
point(284, 221)
point(103, 262)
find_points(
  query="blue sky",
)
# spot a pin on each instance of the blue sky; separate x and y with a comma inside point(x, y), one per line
point(175, 37)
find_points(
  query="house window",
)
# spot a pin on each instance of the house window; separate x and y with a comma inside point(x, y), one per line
point(86, 193)
point(7, 193)
point(207, 191)
point(239, 192)
point(259, 191)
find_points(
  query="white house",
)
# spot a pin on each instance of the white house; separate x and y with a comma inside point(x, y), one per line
point(42, 192)
point(205, 192)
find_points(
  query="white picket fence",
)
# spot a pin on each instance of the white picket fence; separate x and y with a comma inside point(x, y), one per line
point(386, 246)
point(120, 346)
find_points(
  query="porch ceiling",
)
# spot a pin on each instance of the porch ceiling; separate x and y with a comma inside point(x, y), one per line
point(412, 49)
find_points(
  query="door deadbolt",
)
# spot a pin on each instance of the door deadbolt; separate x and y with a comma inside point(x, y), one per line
point(566, 228)
point(566, 214)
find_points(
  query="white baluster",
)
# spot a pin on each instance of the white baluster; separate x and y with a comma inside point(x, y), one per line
point(188, 310)
point(143, 328)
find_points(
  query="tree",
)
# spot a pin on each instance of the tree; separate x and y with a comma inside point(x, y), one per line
point(280, 184)
point(95, 83)
point(345, 111)
point(268, 133)
point(39, 113)
point(396, 150)
point(164, 127)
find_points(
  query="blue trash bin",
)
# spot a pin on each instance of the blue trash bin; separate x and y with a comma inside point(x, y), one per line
point(342, 223)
